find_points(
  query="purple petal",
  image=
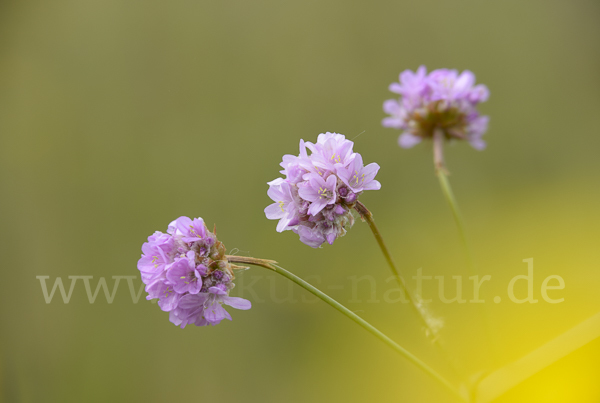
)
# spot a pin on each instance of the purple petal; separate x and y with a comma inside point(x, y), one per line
point(316, 206)
point(408, 140)
point(215, 313)
point(274, 211)
point(373, 185)
point(237, 303)
point(217, 291)
point(478, 144)
point(394, 123)
point(331, 237)
point(395, 87)
point(391, 106)
point(192, 301)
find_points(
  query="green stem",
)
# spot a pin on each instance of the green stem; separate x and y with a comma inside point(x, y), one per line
point(447, 190)
point(442, 174)
point(415, 304)
point(368, 217)
point(271, 265)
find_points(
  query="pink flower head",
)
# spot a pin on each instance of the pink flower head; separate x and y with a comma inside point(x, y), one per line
point(188, 272)
point(316, 198)
point(442, 100)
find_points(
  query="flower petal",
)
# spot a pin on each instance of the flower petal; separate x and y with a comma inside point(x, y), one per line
point(408, 140)
point(237, 303)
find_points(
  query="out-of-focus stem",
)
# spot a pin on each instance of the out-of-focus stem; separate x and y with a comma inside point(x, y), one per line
point(271, 265)
point(447, 190)
point(438, 151)
point(442, 174)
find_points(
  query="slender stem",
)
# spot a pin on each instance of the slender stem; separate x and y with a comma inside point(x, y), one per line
point(442, 174)
point(447, 190)
point(368, 217)
point(438, 151)
point(415, 303)
point(271, 265)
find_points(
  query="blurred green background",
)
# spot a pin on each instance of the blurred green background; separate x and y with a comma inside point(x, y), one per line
point(117, 117)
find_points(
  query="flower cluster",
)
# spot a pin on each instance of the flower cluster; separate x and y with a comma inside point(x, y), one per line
point(315, 199)
point(186, 269)
point(441, 100)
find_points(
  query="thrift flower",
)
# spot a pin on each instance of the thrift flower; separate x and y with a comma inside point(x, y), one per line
point(319, 192)
point(186, 269)
point(185, 275)
point(442, 101)
point(316, 198)
point(284, 210)
point(358, 177)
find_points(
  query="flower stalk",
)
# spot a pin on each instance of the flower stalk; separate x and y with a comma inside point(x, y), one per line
point(367, 216)
point(442, 175)
point(430, 331)
point(272, 265)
